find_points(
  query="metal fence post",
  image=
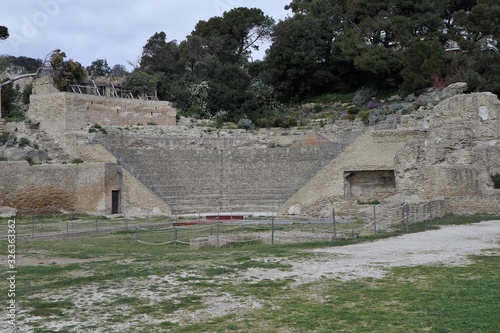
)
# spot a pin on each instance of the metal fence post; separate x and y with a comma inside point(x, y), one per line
point(217, 231)
point(272, 230)
point(407, 216)
point(430, 213)
point(375, 219)
point(97, 227)
point(67, 229)
point(175, 238)
point(137, 239)
point(334, 226)
point(33, 232)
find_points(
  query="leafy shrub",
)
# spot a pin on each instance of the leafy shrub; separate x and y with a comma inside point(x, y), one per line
point(418, 105)
point(406, 110)
point(77, 160)
point(245, 123)
point(220, 117)
point(393, 108)
point(29, 159)
point(266, 121)
point(363, 95)
point(27, 91)
point(496, 180)
point(364, 115)
point(97, 128)
point(372, 105)
point(371, 202)
point(288, 122)
point(23, 142)
point(352, 110)
point(274, 121)
point(376, 116)
point(15, 117)
point(4, 137)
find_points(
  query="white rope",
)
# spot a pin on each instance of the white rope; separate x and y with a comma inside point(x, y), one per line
point(154, 244)
point(229, 229)
point(239, 241)
point(424, 204)
point(401, 220)
point(192, 229)
point(154, 230)
point(301, 236)
point(387, 209)
point(263, 228)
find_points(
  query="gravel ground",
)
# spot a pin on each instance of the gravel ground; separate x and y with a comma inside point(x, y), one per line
point(450, 245)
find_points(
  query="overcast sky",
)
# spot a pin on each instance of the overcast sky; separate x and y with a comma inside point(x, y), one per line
point(87, 30)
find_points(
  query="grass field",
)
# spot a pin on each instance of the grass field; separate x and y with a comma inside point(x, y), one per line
point(106, 284)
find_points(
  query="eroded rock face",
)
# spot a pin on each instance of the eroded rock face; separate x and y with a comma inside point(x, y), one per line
point(21, 154)
point(460, 152)
point(7, 211)
point(295, 209)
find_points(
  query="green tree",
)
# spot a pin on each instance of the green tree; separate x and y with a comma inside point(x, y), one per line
point(480, 22)
point(229, 90)
point(423, 63)
point(247, 27)
point(140, 82)
point(10, 94)
point(232, 37)
point(4, 32)
point(158, 55)
point(65, 71)
point(99, 67)
point(119, 70)
point(296, 58)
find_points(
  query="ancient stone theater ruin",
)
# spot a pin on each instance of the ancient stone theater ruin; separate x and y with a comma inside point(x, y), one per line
point(138, 160)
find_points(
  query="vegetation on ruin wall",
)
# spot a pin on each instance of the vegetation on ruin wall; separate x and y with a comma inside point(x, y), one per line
point(323, 48)
point(496, 180)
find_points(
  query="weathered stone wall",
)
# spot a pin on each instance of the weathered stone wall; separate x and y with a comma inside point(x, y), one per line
point(63, 112)
point(48, 189)
point(456, 159)
point(67, 188)
point(372, 151)
point(367, 186)
point(475, 205)
point(138, 200)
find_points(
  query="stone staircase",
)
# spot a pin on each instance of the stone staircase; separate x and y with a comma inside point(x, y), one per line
point(229, 179)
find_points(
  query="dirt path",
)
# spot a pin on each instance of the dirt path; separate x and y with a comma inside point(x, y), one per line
point(450, 245)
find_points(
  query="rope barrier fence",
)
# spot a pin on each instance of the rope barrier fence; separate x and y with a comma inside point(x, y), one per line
point(158, 231)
